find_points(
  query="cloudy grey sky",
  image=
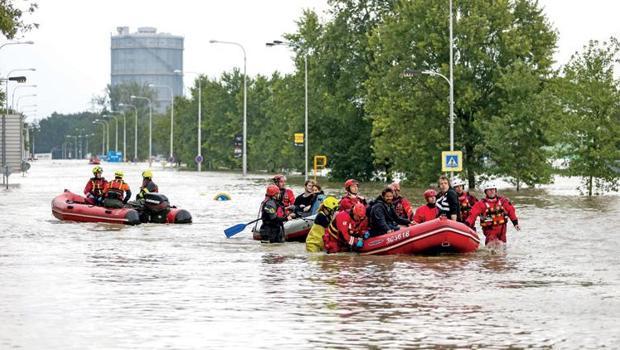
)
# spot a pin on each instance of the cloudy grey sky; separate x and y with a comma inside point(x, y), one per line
point(72, 45)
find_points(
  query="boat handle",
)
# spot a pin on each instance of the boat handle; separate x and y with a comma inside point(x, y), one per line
point(445, 244)
point(108, 211)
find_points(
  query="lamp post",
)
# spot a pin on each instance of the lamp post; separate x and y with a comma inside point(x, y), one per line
point(116, 133)
point(199, 154)
point(245, 101)
point(105, 136)
point(133, 97)
point(135, 136)
point(19, 99)
point(15, 89)
point(171, 116)
point(289, 44)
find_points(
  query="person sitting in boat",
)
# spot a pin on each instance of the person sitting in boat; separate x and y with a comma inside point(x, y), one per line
point(466, 199)
point(303, 202)
point(319, 198)
point(273, 216)
point(447, 200)
point(94, 187)
point(352, 195)
point(287, 197)
point(494, 212)
point(402, 206)
point(429, 211)
point(347, 230)
point(116, 192)
point(148, 186)
point(383, 218)
point(314, 241)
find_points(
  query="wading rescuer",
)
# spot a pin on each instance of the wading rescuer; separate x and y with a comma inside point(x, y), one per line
point(447, 200)
point(466, 199)
point(494, 212)
point(402, 206)
point(273, 216)
point(95, 186)
point(287, 197)
point(428, 211)
point(148, 186)
point(351, 196)
point(314, 241)
point(347, 231)
point(383, 218)
point(117, 192)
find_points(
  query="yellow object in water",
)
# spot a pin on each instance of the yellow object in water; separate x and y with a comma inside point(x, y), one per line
point(314, 241)
point(222, 196)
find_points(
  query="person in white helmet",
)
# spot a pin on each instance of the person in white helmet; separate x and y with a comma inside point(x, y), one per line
point(494, 212)
point(466, 199)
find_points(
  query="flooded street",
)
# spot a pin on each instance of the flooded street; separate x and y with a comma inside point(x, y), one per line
point(71, 285)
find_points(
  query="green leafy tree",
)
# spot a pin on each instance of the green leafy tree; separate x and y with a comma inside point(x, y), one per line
point(590, 128)
point(12, 18)
point(410, 117)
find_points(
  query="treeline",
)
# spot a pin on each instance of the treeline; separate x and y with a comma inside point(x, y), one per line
point(513, 111)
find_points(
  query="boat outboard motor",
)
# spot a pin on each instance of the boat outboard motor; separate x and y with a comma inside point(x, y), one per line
point(157, 206)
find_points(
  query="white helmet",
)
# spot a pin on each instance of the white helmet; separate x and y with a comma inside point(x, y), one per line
point(458, 182)
point(489, 185)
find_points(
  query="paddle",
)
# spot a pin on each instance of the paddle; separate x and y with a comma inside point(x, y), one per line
point(233, 230)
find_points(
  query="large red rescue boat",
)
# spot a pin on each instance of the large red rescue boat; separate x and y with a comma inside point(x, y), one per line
point(435, 236)
point(72, 207)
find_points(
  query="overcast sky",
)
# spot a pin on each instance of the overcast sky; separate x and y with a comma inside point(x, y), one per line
point(72, 45)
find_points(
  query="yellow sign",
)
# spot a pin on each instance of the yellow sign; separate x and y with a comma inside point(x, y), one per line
point(319, 162)
point(299, 138)
point(451, 161)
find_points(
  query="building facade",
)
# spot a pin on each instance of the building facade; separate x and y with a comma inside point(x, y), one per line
point(147, 57)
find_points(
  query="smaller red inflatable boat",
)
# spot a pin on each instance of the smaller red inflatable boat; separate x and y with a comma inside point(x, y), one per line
point(431, 237)
point(295, 230)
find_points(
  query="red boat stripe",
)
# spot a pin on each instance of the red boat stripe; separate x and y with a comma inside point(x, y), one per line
point(88, 216)
point(415, 238)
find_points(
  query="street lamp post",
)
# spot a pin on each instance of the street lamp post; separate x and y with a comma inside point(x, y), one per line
point(15, 89)
point(135, 136)
point(171, 116)
point(199, 154)
point(245, 102)
point(20, 98)
point(279, 42)
point(104, 135)
point(150, 125)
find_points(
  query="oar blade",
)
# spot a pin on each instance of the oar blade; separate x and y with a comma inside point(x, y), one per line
point(233, 230)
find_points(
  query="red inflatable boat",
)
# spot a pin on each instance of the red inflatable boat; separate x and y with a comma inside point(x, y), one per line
point(73, 207)
point(295, 230)
point(435, 236)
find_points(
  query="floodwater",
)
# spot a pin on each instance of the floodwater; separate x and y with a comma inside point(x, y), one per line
point(98, 286)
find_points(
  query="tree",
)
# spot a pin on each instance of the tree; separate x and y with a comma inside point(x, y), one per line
point(410, 116)
point(11, 18)
point(590, 128)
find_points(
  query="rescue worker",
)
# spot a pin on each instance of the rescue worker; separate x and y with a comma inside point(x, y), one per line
point(94, 187)
point(287, 197)
point(402, 206)
point(273, 216)
point(116, 192)
point(351, 196)
point(466, 199)
point(303, 202)
point(447, 200)
point(314, 241)
point(347, 231)
point(429, 211)
point(148, 186)
point(383, 218)
point(494, 212)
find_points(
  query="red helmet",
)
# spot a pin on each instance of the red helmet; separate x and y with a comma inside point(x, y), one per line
point(395, 186)
point(430, 193)
point(278, 177)
point(349, 183)
point(272, 190)
point(359, 210)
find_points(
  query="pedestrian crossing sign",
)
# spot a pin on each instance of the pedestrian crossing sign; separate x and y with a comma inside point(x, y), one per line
point(451, 161)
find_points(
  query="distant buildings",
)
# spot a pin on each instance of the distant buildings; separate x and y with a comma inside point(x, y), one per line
point(147, 57)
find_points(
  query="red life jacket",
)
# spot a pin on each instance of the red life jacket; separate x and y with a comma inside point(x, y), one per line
point(399, 208)
point(495, 214)
point(117, 186)
point(97, 186)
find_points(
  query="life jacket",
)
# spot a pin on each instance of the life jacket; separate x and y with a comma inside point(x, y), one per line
point(399, 208)
point(355, 229)
point(465, 204)
point(116, 187)
point(494, 214)
point(97, 186)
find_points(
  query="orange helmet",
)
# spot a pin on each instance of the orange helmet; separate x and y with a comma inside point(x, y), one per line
point(349, 183)
point(272, 190)
point(430, 193)
point(359, 210)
